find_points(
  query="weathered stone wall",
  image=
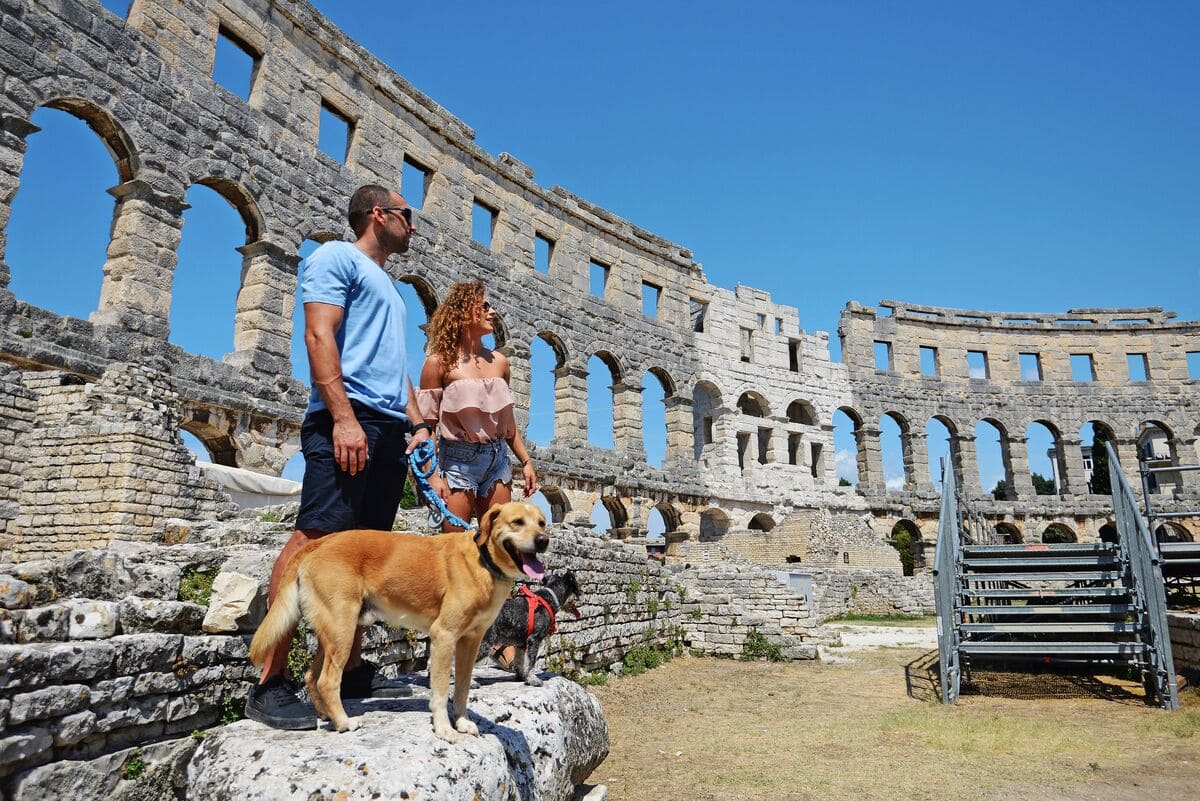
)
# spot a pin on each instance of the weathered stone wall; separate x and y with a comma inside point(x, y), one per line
point(18, 407)
point(864, 591)
point(1184, 628)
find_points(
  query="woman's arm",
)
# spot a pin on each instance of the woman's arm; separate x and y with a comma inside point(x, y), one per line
point(434, 377)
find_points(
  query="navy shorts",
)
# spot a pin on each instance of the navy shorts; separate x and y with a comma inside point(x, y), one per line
point(333, 500)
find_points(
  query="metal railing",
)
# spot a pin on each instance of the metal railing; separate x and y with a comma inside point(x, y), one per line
point(1144, 576)
point(947, 562)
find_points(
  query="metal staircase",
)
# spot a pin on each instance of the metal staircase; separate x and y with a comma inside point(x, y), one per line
point(1088, 604)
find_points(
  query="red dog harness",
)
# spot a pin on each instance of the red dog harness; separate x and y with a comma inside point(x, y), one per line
point(534, 601)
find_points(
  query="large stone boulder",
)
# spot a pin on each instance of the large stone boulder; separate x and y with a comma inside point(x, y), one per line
point(534, 744)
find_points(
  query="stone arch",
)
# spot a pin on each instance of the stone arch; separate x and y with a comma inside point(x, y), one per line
point(672, 519)
point(761, 522)
point(911, 545)
point(1108, 533)
point(242, 201)
point(660, 421)
point(907, 462)
point(1058, 533)
point(1172, 532)
point(802, 412)
point(561, 352)
point(614, 364)
point(665, 380)
point(753, 403)
point(1008, 533)
point(714, 524)
point(856, 434)
point(220, 445)
point(1055, 455)
point(617, 513)
point(1004, 453)
point(114, 136)
point(1157, 447)
point(425, 292)
point(560, 506)
point(603, 407)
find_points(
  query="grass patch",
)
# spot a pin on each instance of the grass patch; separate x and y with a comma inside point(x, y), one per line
point(641, 658)
point(196, 586)
point(757, 646)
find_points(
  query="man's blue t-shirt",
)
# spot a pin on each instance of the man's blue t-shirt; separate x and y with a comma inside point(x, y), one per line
point(371, 337)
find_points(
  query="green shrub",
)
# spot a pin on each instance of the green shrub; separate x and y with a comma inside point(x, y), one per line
point(269, 516)
point(652, 607)
point(196, 586)
point(632, 590)
point(757, 646)
point(134, 767)
point(232, 709)
point(641, 658)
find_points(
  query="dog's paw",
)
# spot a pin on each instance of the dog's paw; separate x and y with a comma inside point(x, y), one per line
point(350, 724)
point(446, 733)
point(465, 726)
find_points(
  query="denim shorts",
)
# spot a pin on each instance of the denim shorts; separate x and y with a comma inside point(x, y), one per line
point(475, 466)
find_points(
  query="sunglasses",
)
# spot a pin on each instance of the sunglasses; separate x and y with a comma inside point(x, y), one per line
point(487, 306)
point(405, 212)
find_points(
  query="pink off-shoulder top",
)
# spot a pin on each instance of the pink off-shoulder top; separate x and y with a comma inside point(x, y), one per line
point(470, 409)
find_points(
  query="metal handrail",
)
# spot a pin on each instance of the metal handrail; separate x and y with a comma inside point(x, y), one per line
point(946, 560)
point(1145, 578)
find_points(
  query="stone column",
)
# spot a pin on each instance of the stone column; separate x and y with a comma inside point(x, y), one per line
point(14, 131)
point(570, 405)
point(1072, 472)
point(262, 324)
point(627, 420)
point(916, 458)
point(520, 379)
point(966, 465)
point(679, 429)
point(870, 459)
point(140, 267)
point(1018, 453)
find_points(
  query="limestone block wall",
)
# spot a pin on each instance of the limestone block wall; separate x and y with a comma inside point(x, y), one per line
point(105, 461)
point(17, 410)
point(1184, 629)
point(865, 591)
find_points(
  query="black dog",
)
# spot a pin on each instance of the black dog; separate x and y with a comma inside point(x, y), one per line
point(516, 626)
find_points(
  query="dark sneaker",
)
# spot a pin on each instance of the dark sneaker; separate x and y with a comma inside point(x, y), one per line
point(278, 705)
point(365, 681)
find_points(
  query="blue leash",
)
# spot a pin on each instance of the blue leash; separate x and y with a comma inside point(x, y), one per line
point(425, 452)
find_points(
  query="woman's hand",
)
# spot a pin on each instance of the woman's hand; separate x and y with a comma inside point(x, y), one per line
point(440, 486)
point(531, 482)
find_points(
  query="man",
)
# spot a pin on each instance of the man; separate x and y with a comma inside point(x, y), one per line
point(353, 436)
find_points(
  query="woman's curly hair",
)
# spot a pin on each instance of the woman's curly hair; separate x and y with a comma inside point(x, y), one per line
point(456, 312)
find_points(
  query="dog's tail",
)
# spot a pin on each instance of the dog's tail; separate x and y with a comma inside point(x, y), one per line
point(283, 615)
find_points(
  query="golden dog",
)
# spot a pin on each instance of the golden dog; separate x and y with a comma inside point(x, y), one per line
point(449, 585)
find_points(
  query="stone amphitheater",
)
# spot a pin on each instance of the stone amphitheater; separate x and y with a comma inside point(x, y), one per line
point(90, 455)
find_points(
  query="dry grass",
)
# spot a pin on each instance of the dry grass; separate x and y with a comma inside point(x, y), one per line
point(715, 729)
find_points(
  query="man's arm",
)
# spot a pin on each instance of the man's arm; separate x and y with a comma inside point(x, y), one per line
point(321, 322)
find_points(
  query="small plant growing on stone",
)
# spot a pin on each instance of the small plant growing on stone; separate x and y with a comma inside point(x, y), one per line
point(632, 590)
point(607, 612)
point(757, 646)
point(269, 516)
point(299, 657)
point(652, 607)
point(696, 614)
point(134, 767)
point(231, 709)
point(196, 586)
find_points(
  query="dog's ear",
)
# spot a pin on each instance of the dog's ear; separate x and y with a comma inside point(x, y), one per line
point(485, 525)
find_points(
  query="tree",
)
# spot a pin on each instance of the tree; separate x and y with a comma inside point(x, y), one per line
point(1042, 485)
point(844, 482)
point(1100, 483)
point(902, 541)
point(1000, 491)
point(1055, 533)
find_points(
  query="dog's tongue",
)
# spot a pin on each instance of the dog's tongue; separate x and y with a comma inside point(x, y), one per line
point(532, 567)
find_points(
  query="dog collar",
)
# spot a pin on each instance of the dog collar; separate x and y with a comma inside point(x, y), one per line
point(553, 596)
point(490, 564)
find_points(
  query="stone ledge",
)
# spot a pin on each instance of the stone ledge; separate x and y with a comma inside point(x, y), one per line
point(534, 743)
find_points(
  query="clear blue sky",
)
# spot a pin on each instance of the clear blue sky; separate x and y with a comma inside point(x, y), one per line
point(1017, 156)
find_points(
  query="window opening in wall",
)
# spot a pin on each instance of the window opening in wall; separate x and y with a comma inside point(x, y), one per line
point(697, 311)
point(993, 460)
point(977, 364)
point(542, 363)
point(235, 63)
point(207, 277)
point(651, 294)
point(815, 463)
point(845, 447)
point(762, 322)
point(414, 183)
point(1031, 366)
point(764, 445)
point(1043, 449)
point(747, 344)
point(794, 355)
point(795, 442)
point(483, 223)
point(600, 411)
point(707, 429)
point(654, 419)
point(1083, 369)
point(778, 326)
point(1139, 368)
point(598, 275)
point(65, 159)
point(929, 361)
point(333, 135)
point(883, 356)
point(1193, 363)
point(118, 7)
point(543, 253)
point(891, 452)
point(743, 442)
point(937, 443)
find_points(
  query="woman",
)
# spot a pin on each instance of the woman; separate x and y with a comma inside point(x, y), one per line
point(464, 387)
